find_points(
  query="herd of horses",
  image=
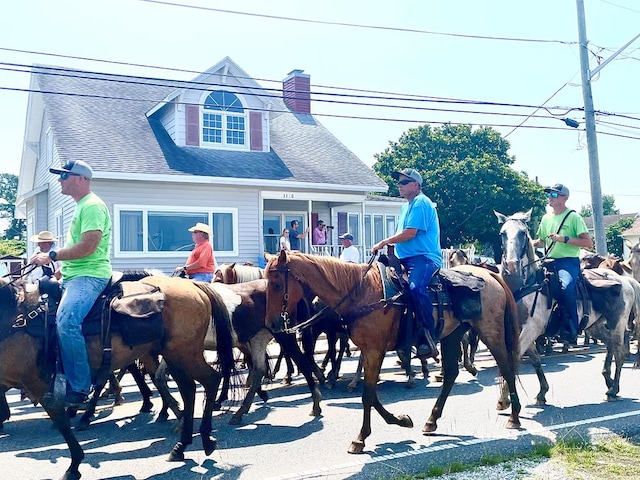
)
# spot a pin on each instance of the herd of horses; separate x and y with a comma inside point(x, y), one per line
point(246, 308)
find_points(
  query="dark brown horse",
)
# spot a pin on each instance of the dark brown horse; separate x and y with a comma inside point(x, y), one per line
point(355, 291)
point(189, 309)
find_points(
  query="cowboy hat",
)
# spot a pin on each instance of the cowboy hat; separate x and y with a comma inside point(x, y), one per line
point(44, 236)
point(201, 227)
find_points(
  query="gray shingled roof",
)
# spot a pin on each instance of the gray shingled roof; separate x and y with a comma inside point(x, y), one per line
point(101, 118)
point(608, 219)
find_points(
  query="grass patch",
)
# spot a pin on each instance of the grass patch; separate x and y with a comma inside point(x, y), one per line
point(609, 457)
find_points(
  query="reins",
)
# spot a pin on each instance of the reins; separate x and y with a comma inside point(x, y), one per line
point(26, 270)
point(284, 314)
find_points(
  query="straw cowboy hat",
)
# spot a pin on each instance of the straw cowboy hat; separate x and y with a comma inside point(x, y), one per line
point(44, 236)
point(201, 227)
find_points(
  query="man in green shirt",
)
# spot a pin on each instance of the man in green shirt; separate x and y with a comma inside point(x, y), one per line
point(86, 270)
point(562, 232)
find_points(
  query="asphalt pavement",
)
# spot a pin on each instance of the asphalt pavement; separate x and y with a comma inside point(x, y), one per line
point(279, 440)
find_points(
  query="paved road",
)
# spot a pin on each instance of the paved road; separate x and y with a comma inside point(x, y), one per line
point(279, 439)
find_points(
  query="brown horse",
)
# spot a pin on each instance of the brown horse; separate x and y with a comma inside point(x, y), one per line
point(355, 291)
point(189, 309)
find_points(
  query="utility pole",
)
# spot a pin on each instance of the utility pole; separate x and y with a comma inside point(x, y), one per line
point(592, 142)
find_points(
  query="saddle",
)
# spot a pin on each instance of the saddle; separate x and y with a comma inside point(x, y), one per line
point(448, 289)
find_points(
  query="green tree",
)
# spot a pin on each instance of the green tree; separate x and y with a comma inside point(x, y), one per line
point(468, 173)
point(12, 247)
point(8, 192)
point(612, 233)
point(608, 207)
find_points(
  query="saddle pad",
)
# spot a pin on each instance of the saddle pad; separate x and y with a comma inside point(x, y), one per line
point(390, 282)
point(456, 278)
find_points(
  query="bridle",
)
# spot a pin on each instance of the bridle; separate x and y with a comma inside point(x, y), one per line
point(284, 313)
point(24, 271)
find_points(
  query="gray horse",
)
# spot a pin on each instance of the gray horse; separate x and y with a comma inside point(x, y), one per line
point(520, 268)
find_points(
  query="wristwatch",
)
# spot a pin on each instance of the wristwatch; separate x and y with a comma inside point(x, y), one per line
point(566, 239)
point(53, 254)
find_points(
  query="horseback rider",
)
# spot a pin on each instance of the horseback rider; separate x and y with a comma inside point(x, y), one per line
point(417, 245)
point(86, 270)
point(562, 232)
point(45, 241)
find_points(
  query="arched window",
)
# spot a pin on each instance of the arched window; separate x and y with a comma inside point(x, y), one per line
point(223, 119)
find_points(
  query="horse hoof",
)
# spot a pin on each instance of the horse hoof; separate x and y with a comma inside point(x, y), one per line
point(439, 378)
point(118, 400)
point(264, 396)
point(511, 425)
point(612, 398)
point(356, 447)
point(429, 427)
point(405, 421)
point(235, 420)
point(316, 412)
point(351, 388)
point(162, 417)
point(83, 424)
point(501, 405)
point(209, 445)
point(71, 475)
point(217, 406)
point(147, 406)
point(177, 453)
point(410, 383)
point(540, 403)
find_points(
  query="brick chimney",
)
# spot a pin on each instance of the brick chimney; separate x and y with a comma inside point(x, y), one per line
point(296, 91)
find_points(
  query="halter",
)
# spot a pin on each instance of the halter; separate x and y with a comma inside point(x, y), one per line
point(284, 314)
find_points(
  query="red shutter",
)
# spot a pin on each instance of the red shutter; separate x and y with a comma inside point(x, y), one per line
point(255, 130)
point(192, 121)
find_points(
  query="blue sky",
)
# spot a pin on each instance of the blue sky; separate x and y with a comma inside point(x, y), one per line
point(382, 60)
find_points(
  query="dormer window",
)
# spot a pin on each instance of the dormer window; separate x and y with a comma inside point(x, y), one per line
point(223, 120)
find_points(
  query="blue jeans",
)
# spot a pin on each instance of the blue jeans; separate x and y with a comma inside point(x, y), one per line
point(568, 273)
point(420, 269)
point(202, 277)
point(78, 296)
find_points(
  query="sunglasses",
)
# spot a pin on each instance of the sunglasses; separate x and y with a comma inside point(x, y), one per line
point(65, 175)
point(553, 195)
point(405, 182)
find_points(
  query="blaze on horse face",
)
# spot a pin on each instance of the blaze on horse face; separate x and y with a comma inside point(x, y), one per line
point(284, 291)
point(515, 242)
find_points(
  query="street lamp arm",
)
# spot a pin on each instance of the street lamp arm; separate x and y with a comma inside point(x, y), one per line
point(595, 71)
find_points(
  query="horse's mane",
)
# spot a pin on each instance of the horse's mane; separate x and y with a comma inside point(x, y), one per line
point(340, 275)
point(133, 275)
point(246, 273)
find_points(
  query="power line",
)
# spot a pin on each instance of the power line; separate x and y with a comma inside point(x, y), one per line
point(272, 93)
point(356, 25)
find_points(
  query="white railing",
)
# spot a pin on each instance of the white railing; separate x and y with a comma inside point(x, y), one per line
point(334, 251)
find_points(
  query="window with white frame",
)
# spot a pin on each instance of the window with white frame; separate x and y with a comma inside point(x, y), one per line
point(353, 226)
point(391, 224)
point(58, 231)
point(224, 120)
point(164, 231)
point(374, 229)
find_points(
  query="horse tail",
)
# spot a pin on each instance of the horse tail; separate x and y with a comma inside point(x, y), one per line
point(511, 323)
point(221, 321)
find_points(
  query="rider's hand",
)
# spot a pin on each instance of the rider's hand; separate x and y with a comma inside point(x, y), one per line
point(40, 259)
point(377, 247)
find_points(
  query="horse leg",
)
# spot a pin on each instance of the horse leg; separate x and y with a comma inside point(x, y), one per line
point(5, 413)
point(372, 364)
point(257, 346)
point(210, 379)
point(450, 349)
point(159, 374)
point(309, 339)
point(187, 387)
point(507, 366)
point(145, 391)
point(405, 363)
point(62, 423)
point(353, 384)
point(290, 346)
point(469, 348)
point(85, 419)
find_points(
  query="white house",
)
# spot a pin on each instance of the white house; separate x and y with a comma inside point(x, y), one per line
point(220, 149)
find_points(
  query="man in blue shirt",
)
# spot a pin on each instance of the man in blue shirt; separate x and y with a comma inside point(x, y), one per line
point(417, 245)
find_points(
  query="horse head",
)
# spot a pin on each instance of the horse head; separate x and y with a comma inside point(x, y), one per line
point(225, 273)
point(517, 247)
point(458, 257)
point(284, 290)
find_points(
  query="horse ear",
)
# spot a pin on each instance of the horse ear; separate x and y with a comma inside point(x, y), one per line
point(501, 218)
point(527, 215)
point(628, 244)
point(232, 265)
point(282, 258)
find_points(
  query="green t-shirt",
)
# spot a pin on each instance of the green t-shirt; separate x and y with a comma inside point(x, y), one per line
point(91, 214)
point(572, 227)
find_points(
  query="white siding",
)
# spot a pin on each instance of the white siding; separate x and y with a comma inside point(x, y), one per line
point(167, 117)
point(245, 200)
